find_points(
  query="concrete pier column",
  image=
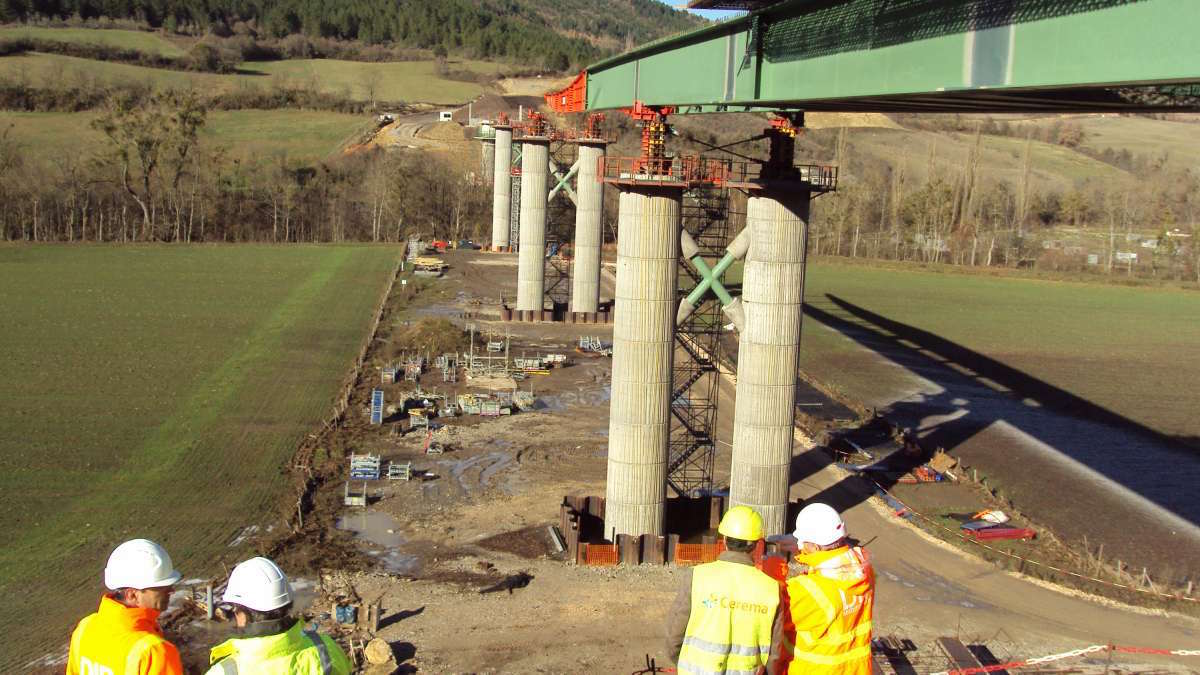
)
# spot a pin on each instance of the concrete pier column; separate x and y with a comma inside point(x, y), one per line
point(501, 188)
point(643, 330)
point(589, 208)
point(487, 166)
point(772, 296)
point(531, 257)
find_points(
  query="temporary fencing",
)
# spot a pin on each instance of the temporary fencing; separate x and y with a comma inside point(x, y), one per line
point(1074, 653)
point(905, 511)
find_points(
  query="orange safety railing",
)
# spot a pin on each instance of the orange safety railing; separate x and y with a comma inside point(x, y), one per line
point(695, 554)
point(602, 555)
point(693, 170)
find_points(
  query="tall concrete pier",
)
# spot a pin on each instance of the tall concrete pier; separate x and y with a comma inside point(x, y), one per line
point(501, 187)
point(487, 165)
point(531, 263)
point(589, 209)
point(772, 296)
point(643, 347)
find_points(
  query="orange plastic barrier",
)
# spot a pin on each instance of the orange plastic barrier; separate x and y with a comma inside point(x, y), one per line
point(694, 554)
point(601, 555)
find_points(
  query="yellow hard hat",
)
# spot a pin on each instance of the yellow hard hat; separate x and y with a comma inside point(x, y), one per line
point(742, 522)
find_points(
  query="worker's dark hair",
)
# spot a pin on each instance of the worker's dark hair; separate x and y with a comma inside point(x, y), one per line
point(739, 545)
point(269, 615)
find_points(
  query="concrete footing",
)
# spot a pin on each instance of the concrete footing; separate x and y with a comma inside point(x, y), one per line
point(643, 349)
point(501, 188)
point(772, 296)
point(531, 254)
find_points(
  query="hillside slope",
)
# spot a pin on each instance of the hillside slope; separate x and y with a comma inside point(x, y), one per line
point(557, 34)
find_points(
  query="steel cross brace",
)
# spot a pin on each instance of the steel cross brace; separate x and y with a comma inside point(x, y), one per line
point(710, 279)
point(564, 182)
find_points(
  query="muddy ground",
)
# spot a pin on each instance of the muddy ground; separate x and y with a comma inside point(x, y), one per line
point(462, 565)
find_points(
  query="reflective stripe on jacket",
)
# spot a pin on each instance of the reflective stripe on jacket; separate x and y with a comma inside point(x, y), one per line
point(831, 607)
point(120, 640)
point(729, 629)
point(293, 652)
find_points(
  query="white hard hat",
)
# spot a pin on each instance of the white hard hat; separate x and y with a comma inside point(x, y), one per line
point(258, 584)
point(819, 524)
point(140, 564)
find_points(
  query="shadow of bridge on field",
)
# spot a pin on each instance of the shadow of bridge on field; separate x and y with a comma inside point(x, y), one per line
point(1072, 458)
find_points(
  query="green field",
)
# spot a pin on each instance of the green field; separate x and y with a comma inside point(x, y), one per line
point(141, 41)
point(403, 81)
point(254, 135)
point(1052, 166)
point(1129, 350)
point(158, 392)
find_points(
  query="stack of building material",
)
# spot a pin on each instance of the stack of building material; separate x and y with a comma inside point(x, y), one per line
point(364, 467)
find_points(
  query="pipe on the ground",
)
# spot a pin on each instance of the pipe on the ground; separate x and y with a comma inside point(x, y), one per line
point(589, 207)
point(501, 188)
point(772, 297)
point(643, 330)
point(531, 256)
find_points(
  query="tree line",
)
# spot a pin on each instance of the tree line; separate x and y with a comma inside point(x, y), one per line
point(457, 26)
point(156, 180)
point(955, 214)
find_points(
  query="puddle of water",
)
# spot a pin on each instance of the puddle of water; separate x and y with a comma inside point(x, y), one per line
point(382, 534)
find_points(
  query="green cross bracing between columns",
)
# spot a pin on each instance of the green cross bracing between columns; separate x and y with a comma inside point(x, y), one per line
point(564, 182)
point(711, 279)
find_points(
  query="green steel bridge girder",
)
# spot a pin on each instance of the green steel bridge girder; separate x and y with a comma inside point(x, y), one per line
point(920, 55)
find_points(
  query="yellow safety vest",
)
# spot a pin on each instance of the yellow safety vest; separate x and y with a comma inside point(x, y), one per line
point(831, 609)
point(729, 630)
point(293, 652)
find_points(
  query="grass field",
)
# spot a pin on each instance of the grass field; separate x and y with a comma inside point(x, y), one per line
point(157, 391)
point(1053, 166)
point(142, 41)
point(253, 135)
point(1129, 350)
point(405, 81)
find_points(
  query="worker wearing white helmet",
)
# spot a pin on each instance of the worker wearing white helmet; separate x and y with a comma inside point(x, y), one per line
point(123, 635)
point(831, 591)
point(268, 639)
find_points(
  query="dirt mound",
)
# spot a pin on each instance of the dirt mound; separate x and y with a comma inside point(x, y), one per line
point(486, 107)
point(451, 132)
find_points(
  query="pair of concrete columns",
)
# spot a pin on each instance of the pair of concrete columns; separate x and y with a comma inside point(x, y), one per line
point(643, 349)
point(535, 191)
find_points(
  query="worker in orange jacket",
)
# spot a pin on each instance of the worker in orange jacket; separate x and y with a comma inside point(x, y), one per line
point(123, 637)
point(831, 595)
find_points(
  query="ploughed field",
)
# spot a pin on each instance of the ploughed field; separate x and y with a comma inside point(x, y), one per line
point(159, 392)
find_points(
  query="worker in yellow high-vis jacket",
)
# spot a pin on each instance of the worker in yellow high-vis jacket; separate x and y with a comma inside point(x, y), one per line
point(728, 615)
point(268, 640)
point(831, 592)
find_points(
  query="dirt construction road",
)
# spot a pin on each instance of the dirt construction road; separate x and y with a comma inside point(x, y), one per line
point(468, 584)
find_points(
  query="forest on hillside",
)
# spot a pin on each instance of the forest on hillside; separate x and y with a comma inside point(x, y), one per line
point(557, 34)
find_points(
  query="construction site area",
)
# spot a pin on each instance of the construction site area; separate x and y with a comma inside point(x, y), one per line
point(544, 430)
point(440, 514)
